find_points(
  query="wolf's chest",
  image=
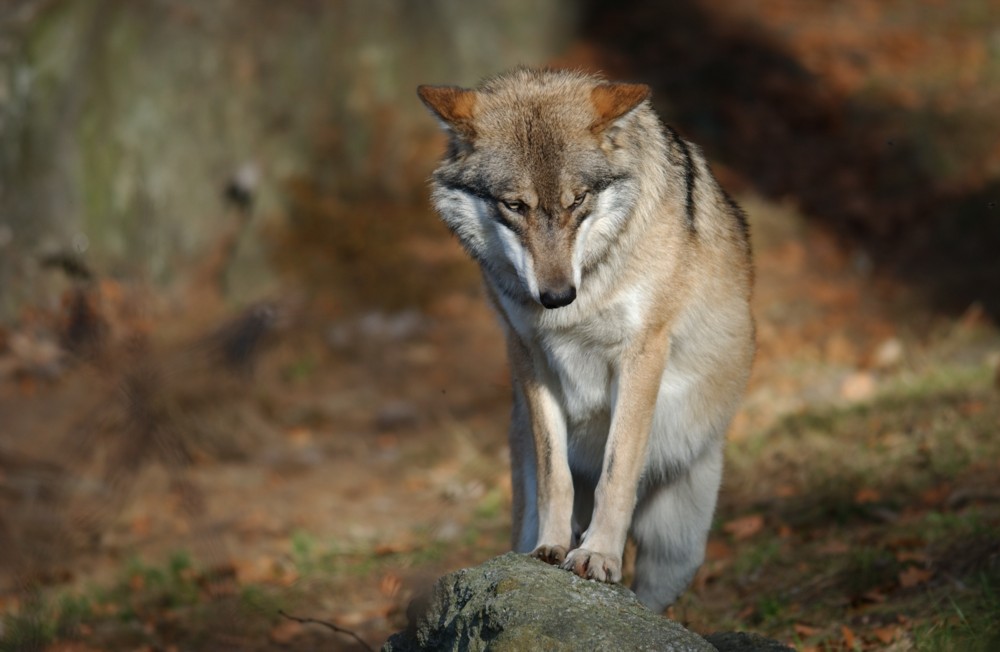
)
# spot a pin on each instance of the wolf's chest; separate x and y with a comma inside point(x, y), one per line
point(584, 363)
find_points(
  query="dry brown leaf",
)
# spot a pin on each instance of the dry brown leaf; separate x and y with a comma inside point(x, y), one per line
point(886, 635)
point(972, 408)
point(834, 547)
point(874, 596)
point(848, 635)
point(935, 495)
point(390, 585)
point(253, 571)
point(913, 576)
point(745, 527)
point(385, 549)
point(717, 550)
point(137, 582)
point(786, 491)
point(141, 525)
point(805, 631)
point(299, 435)
point(866, 495)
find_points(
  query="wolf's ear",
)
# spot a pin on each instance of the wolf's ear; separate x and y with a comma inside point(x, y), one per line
point(452, 105)
point(612, 101)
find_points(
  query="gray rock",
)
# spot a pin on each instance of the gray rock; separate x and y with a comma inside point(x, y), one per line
point(515, 602)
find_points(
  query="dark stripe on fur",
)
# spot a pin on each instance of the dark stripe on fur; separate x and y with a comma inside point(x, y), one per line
point(739, 214)
point(481, 193)
point(598, 185)
point(690, 176)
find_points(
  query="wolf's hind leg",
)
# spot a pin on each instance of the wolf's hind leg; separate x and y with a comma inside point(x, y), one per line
point(670, 527)
point(583, 508)
point(524, 534)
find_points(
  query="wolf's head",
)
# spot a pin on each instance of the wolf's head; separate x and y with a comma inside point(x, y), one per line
point(540, 175)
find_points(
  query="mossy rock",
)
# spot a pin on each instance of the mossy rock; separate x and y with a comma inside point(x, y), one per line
point(513, 603)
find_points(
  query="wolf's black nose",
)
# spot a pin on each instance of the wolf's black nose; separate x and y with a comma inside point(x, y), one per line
point(558, 298)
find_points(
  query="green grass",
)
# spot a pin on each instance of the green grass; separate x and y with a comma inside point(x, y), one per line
point(868, 493)
point(34, 627)
point(967, 622)
point(755, 558)
point(148, 605)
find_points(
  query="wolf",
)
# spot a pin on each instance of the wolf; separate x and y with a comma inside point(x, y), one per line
point(621, 274)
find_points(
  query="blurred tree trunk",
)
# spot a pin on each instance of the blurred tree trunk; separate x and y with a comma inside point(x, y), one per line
point(121, 122)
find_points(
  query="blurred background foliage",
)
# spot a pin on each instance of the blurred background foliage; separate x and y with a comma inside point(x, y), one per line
point(122, 123)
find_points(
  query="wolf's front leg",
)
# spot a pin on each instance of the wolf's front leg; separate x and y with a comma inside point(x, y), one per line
point(599, 556)
point(552, 483)
point(553, 480)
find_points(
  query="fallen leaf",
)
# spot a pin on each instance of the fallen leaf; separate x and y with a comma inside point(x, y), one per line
point(717, 549)
point(140, 525)
point(786, 491)
point(834, 547)
point(913, 576)
point(874, 596)
point(972, 408)
point(390, 585)
point(253, 571)
point(848, 635)
point(935, 495)
point(805, 631)
point(886, 635)
point(866, 496)
point(384, 549)
point(299, 436)
point(745, 527)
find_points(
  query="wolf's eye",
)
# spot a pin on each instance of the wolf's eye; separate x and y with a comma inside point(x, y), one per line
point(579, 199)
point(515, 206)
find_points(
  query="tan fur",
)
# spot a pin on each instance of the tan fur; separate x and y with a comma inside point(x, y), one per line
point(621, 273)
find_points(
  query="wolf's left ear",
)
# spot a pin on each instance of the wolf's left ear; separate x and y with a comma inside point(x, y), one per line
point(612, 101)
point(452, 105)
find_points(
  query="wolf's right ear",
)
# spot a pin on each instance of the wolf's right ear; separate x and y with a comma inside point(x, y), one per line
point(452, 105)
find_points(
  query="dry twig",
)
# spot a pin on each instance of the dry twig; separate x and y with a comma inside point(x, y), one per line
point(339, 630)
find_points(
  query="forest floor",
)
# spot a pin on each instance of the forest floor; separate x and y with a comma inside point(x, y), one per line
point(159, 498)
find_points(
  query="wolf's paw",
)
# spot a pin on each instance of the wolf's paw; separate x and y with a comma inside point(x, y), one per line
point(550, 554)
point(594, 565)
